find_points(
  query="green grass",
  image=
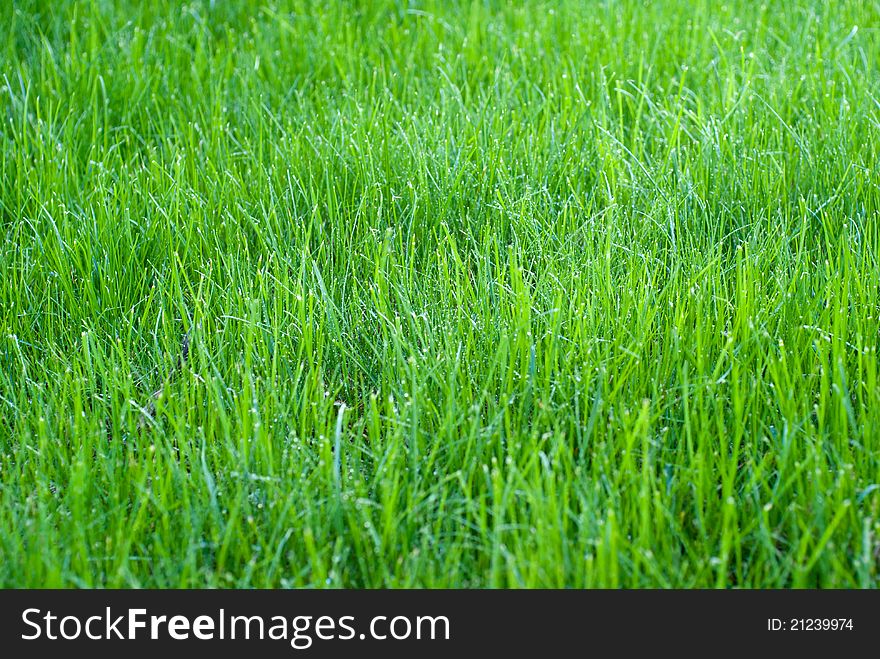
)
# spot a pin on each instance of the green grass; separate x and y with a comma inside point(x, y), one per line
point(578, 294)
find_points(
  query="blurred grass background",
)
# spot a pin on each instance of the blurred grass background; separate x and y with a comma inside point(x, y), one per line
point(577, 294)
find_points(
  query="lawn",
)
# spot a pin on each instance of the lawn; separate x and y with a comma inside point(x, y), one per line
point(440, 294)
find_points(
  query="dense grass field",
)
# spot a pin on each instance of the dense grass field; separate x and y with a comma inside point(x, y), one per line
point(465, 294)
